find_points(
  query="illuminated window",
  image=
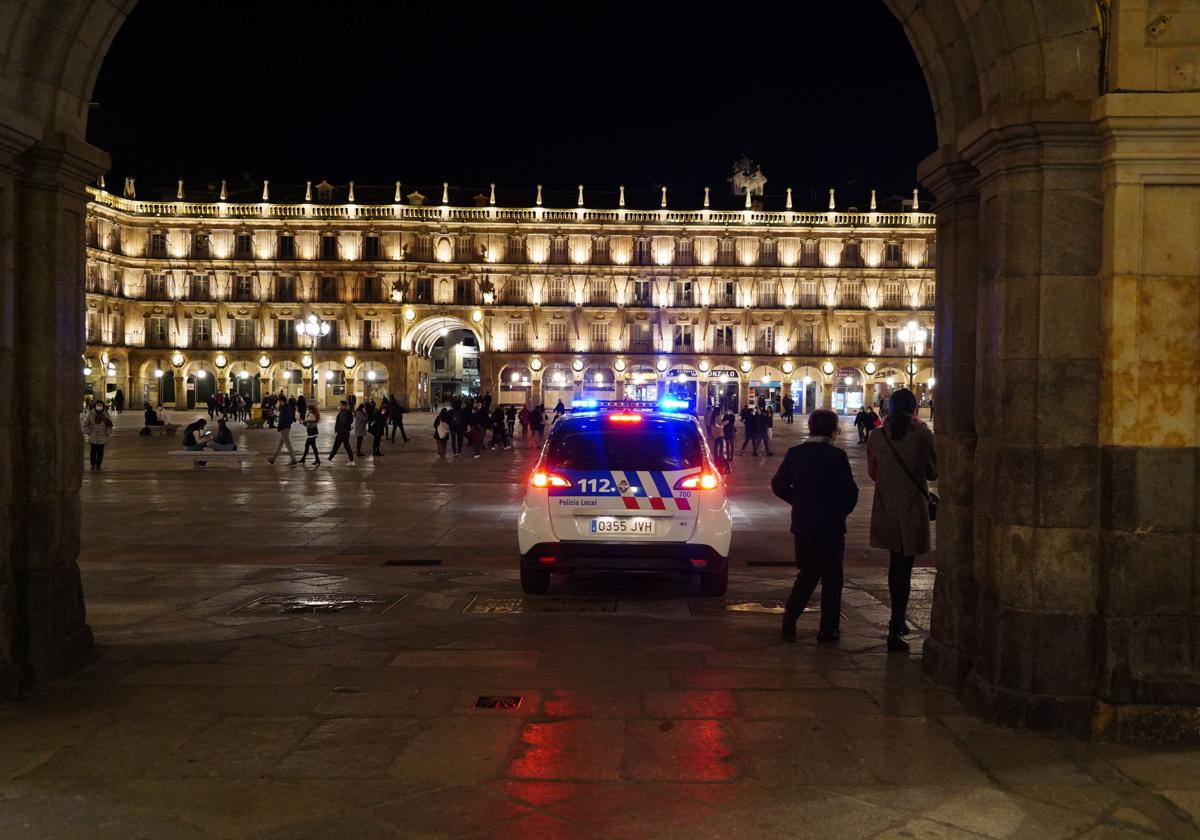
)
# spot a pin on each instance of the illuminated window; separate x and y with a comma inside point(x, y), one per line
point(558, 291)
point(599, 290)
point(765, 342)
point(558, 335)
point(329, 247)
point(286, 247)
point(682, 337)
point(685, 293)
point(200, 246)
point(723, 339)
point(599, 337)
point(201, 332)
point(158, 333)
point(768, 293)
point(158, 244)
point(243, 333)
point(243, 288)
point(156, 287)
point(243, 247)
point(285, 289)
point(893, 293)
point(641, 293)
point(851, 339)
point(516, 335)
point(200, 288)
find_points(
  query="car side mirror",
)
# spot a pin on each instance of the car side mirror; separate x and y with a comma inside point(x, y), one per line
point(723, 466)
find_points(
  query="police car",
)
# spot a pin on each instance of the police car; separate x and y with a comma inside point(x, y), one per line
point(626, 486)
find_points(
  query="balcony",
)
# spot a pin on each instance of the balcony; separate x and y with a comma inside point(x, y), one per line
point(641, 346)
point(852, 348)
point(157, 342)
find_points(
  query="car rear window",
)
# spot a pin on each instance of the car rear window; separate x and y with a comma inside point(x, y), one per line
point(658, 447)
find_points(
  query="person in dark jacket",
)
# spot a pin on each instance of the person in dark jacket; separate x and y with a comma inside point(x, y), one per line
point(342, 424)
point(815, 479)
point(287, 416)
point(376, 425)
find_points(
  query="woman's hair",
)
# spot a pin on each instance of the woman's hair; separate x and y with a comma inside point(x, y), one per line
point(312, 409)
point(903, 405)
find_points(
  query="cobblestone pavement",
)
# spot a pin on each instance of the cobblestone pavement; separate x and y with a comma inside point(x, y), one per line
point(253, 684)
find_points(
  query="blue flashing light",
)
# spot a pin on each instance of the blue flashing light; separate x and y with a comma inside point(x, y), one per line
point(584, 404)
point(672, 404)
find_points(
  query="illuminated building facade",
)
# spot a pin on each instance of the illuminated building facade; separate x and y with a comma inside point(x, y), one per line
point(186, 297)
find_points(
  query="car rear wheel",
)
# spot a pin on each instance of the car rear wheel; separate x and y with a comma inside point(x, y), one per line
point(714, 583)
point(535, 581)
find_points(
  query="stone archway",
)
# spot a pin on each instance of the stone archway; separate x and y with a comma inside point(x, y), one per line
point(1049, 179)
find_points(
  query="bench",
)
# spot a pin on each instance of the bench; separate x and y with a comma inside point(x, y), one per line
point(165, 429)
point(238, 456)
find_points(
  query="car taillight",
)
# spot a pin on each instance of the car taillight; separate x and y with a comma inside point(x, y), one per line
point(699, 481)
point(544, 479)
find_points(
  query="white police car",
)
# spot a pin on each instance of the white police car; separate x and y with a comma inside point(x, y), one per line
point(626, 486)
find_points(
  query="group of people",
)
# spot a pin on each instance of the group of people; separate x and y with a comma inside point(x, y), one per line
point(815, 479)
point(227, 404)
point(376, 420)
point(468, 422)
point(866, 421)
point(758, 424)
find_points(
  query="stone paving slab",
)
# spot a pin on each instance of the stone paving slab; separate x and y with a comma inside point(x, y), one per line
point(632, 724)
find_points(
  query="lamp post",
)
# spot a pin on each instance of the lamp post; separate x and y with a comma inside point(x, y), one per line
point(314, 328)
point(914, 338)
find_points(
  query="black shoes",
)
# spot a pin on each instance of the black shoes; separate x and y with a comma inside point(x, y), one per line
point(787, 630)
point(895, 644)
point(829, 635)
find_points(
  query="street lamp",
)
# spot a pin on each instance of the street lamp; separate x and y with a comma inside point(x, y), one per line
point(913, 336)
point(314, 328)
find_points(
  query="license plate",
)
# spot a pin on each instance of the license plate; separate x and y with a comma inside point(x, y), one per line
point(632, 526)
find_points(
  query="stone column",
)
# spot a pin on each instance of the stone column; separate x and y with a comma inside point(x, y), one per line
point(1036, 505)
point(1149, 432)
point(45, 289)
point(949, 650)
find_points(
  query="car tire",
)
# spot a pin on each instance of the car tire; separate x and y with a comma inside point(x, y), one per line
point(535, 581)
point(714, 584)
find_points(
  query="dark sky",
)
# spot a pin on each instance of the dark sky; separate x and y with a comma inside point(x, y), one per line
point(821, 93)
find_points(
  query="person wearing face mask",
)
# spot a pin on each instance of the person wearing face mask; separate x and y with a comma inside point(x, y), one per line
point(96, 428)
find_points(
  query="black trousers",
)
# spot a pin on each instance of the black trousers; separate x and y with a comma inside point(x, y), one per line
point(899, 586)
point(310, 444)
point(819, 557)
point(96, 455)
point(341, 439)
point(456, 441)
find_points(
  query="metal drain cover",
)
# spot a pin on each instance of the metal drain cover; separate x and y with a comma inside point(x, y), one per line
point(501, 703)
point(510, 606)
point(319, 602)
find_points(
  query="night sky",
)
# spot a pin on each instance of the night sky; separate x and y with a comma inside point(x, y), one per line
point(821, 93)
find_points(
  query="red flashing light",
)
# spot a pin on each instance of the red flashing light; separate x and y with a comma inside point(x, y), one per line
point(545, 479)
point(699, 481)
point(699, 562)
point(546, 561)
point(625, 418)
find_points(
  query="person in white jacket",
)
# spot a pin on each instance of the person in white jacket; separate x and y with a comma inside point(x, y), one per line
point(96, 428)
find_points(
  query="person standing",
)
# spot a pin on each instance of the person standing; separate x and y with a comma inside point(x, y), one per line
point(815, 479)
point(312, 422)
point(768, 431)
point(441, 431)
point(342, 424)
point(523, 417)
point(559, 409)
point(788, 405)
point(96, 428)
point(860, 423)
point(376, 425)
point(902, 461)
point(301, 408)
point(510, 421)
point(537, 423)
point(287, 416)
point(360, 427)
point(119, 401)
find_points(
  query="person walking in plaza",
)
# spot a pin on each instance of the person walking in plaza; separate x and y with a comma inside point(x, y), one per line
point(902, 461)
point(97, 427)
point(287, 416)
point(119, 401)
point(396, 416)
point(458, 425)
point(747, 415)
point(860, 424)
point(789, 406)
point(559, 409)
point(523, 417)
point(441, 431)
point(815, 479)
point(726, 438)
point(475, 433)
point(360, 428)
point(510, 421)
point(768, 431)
point(342, 424)
point(537, 422)
point(312, 422)
point(301, 408)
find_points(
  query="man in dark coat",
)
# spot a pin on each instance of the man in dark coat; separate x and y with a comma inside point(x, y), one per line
point(815, 479)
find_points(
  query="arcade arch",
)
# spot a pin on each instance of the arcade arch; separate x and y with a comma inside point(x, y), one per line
point(1025, 128)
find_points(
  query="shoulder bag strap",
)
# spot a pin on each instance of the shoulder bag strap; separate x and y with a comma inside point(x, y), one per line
point(916, 482)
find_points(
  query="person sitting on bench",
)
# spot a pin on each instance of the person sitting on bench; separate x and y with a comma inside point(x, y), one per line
point(224, 440)
point(194, 436)
point(152, 417)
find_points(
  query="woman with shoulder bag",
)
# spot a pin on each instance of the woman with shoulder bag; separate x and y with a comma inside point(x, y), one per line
point(902, 461)
point(441, 432)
